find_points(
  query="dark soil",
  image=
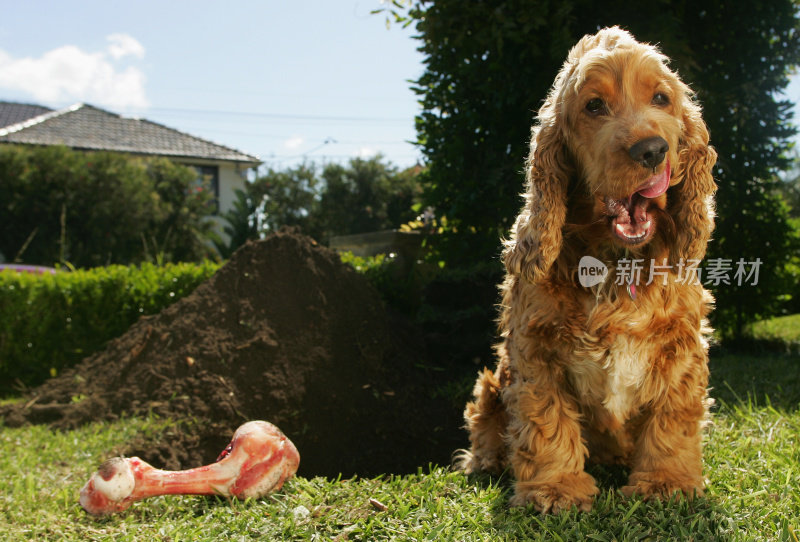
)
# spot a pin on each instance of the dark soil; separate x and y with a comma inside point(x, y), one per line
point(283, 332)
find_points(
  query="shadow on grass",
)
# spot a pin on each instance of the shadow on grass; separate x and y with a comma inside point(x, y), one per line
point(613, 516)
point(755, 371)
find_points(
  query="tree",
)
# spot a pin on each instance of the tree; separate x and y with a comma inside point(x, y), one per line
point(90, 209)
point(363, 195)
point(742, 54)
point(366, 195)
point(182, 228)
point(287, 198)
point(488, 66)
point(790, 187)
point(107, 204)
point(34, 204)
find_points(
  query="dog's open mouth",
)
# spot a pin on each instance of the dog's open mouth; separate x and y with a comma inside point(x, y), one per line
point(631, 221)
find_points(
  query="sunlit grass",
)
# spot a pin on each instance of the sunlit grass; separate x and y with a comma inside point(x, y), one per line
point(783, 328)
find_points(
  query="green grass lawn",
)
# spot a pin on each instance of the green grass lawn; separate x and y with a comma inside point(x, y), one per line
point(784, 328)
point(752, 460)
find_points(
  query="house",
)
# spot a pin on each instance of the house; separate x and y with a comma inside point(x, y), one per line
point(85, 127)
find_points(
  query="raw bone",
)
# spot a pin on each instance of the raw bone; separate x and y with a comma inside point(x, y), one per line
point(257, 461)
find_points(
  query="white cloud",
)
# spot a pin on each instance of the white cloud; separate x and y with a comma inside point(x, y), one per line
point(293, 143)
point(70, 74)
point(122, 45)
point(366, 152)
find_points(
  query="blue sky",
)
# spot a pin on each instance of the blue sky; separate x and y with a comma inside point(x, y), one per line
point(280, 79)
point(284, 80)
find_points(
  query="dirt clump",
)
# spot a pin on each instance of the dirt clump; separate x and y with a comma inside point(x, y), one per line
point(283, 332)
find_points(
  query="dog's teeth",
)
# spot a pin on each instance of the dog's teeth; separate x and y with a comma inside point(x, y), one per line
point(621, 230)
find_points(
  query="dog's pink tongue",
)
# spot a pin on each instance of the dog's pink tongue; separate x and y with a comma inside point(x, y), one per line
point(656, 185)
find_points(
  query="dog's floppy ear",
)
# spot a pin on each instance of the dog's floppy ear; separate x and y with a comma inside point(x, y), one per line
point(692, 204)
point(537, 235)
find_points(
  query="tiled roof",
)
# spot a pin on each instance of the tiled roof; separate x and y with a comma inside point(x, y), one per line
point(13, 113)
point(86, 127)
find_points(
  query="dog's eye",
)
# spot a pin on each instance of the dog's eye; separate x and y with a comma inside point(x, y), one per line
point(595, 106)
point(660, 99)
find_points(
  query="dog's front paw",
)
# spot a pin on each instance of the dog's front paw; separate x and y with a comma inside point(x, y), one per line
point(471, 463)
point(662, 485)
point(554, 497)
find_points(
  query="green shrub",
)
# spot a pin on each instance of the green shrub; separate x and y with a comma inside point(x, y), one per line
point(50, 322)
point(399, 284)
point(455, 307)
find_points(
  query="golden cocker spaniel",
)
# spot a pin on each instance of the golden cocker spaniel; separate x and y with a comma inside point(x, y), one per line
point(597, 362)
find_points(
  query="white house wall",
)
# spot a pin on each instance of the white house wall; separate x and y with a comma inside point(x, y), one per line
point(231, 179)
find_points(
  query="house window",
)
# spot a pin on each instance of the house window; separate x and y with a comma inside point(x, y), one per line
point(208, 179)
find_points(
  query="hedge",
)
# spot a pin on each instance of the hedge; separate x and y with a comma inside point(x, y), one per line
point(50, 322)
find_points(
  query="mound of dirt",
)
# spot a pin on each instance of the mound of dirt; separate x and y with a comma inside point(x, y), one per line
point(283, 332)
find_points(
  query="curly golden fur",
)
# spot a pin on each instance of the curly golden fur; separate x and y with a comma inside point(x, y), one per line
point(619, 168)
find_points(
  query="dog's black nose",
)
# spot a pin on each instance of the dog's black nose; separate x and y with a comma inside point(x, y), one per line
point(649, 152)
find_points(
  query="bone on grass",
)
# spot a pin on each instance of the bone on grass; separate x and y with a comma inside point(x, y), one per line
point(258, 460)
